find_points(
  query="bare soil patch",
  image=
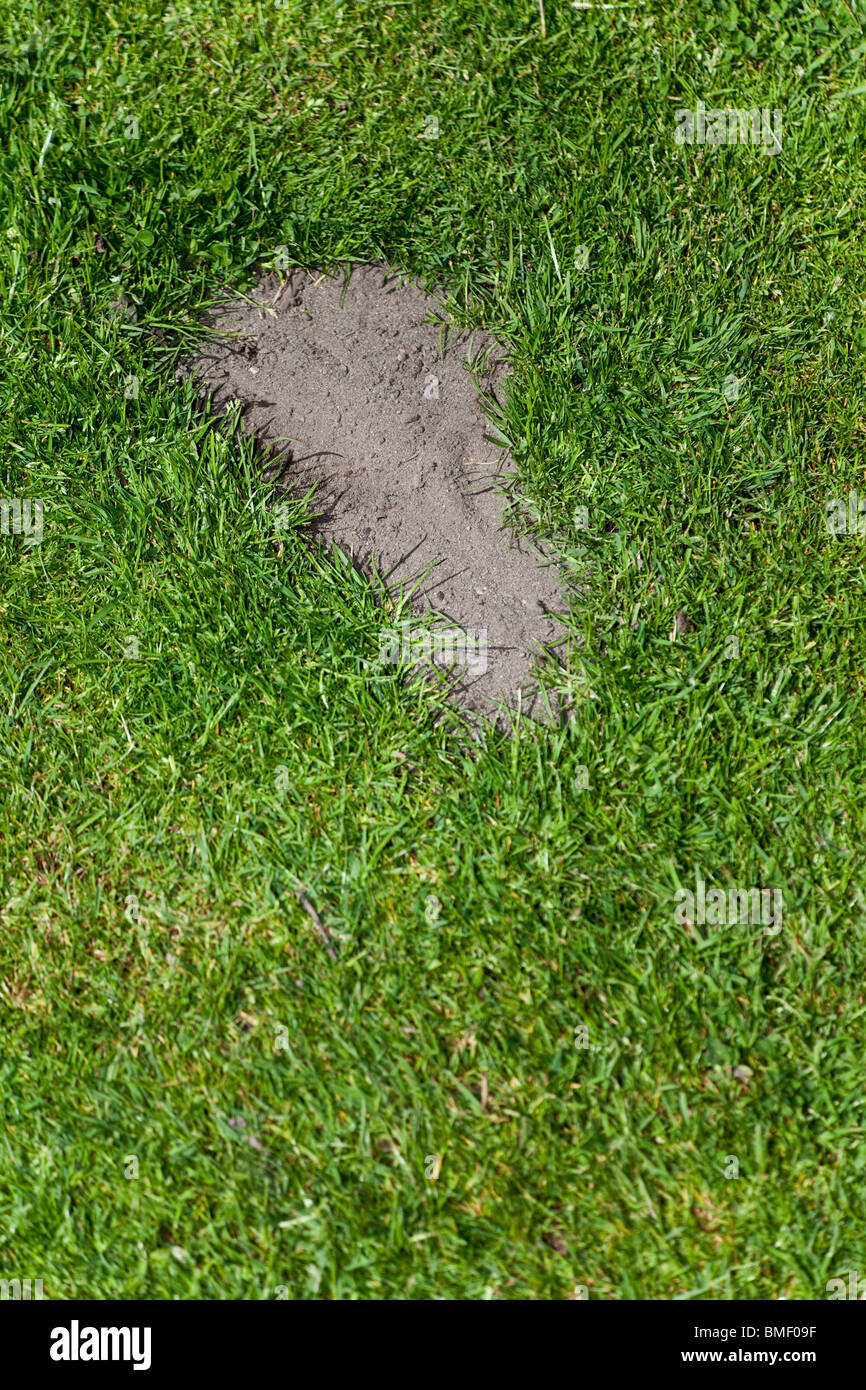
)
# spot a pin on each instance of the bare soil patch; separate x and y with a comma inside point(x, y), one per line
point(354, 388)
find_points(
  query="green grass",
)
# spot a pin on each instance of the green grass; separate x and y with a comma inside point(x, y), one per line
point(165, 998)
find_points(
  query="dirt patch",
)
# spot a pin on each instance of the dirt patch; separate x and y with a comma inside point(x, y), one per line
point(357, 390)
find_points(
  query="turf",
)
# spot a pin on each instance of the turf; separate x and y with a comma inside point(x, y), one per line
point(196, 1100)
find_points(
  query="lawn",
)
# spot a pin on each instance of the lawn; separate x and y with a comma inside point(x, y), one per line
point(526, 1075)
